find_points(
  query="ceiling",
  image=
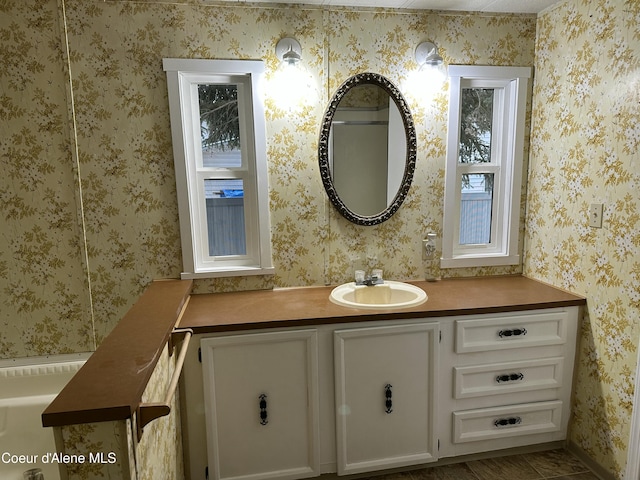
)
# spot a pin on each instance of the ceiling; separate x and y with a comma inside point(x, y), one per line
point(498, 6)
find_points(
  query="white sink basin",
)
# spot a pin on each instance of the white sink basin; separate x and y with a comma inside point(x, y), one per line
point(387, 295)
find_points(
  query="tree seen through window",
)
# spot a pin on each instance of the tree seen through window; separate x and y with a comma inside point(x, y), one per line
point(476, 124)
point(220, 125)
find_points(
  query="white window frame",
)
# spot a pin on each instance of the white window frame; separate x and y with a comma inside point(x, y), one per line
point(183, 78)
point(511, 84)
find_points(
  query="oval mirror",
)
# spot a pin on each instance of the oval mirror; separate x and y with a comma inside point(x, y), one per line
point(367, 149)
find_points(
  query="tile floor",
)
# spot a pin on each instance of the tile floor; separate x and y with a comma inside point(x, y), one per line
point(553, 464)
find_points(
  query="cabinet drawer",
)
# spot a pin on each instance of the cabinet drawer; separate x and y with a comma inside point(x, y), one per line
point(501, 422)
point(510, 332)
point(511, 377)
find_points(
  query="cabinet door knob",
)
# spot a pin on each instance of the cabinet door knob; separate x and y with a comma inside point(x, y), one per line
point(512, 332)
point(263, 409)
point(388, 401)
point(506, 422)
point(510, 377)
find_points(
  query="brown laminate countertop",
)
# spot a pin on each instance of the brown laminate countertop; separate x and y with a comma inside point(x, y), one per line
point(287, 307)
point(110, 384)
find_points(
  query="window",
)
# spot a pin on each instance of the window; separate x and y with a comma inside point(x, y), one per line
point(485, 149)
point(219, 147)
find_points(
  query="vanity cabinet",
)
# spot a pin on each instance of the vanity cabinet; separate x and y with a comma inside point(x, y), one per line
point(373, 395)
point(385, 388)
point(261, 405)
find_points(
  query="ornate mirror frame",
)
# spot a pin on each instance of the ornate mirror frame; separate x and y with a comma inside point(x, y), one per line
point(323, 148)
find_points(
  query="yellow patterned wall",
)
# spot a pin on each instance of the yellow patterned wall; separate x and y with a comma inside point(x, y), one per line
point(44, 295)
point(87, 191)
point(88, 197)
point(584, 149)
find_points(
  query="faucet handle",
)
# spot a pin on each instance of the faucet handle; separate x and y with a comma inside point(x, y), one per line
point(376, 276)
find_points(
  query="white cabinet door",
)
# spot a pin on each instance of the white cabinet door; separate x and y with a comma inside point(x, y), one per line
point(261, 405)
point(385, 396)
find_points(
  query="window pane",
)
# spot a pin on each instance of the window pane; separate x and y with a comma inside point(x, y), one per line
point(219, 125)
point(476, 124)
point(475, 208)
point(225, 217)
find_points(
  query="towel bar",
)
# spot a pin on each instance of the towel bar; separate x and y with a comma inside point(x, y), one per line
point(147, 412)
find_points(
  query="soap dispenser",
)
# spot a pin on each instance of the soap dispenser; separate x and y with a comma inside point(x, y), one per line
point(432, 269)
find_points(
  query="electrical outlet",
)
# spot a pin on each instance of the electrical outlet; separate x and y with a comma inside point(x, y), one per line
point(595, 215)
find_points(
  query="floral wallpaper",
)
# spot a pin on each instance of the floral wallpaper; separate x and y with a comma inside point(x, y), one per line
point(89, 197)
point(108, 442)
point(384, 42)
point(584, 149)
point(44, 296)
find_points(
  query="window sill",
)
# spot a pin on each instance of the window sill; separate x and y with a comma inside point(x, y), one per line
point(479, 261)
point(229, 272)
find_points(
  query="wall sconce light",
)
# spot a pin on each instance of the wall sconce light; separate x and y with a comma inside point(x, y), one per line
point(425, 82)
point(430, 60)
point(289, 51)
point(292, 84)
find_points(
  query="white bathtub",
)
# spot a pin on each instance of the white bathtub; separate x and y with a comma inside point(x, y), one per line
point(27, 387)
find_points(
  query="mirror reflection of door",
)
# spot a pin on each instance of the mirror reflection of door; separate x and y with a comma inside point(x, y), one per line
point(367, 150)
point(360, 175)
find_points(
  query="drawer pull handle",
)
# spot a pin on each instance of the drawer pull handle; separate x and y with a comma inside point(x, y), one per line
point(263, 409)
point(511, 377)
point(513, 332)
point(387, 395)
point(507, 422)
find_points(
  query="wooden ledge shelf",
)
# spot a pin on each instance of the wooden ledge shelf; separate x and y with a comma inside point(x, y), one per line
point(111, 383)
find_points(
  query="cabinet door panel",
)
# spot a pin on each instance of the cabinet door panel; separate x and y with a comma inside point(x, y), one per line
point(385, 396)
point(261, 405)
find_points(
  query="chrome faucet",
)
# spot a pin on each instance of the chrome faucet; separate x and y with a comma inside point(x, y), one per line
point(375, 278)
